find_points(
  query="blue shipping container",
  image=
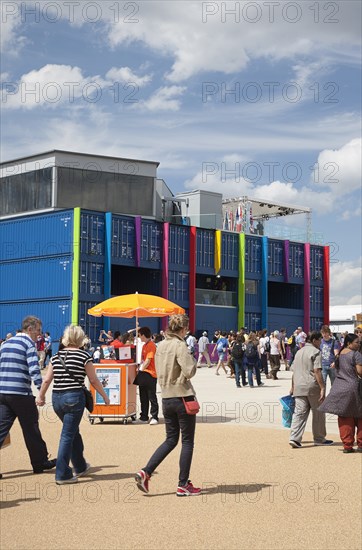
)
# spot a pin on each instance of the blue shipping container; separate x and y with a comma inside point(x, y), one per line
point(92, 233)
point(179, 245)
point(275, 258)
point(36, 279)
point(151, 243)
point(36, 236)
point(54, 314)
point(253, 254)
point(123, 238)
point(91, 278)
point(205, 248)
point(230, 252)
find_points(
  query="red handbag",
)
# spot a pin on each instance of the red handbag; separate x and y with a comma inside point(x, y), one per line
point(192, 407)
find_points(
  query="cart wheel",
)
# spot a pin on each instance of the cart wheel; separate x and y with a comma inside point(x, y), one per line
point(133, 418)
point(91, 420)
point(101, 419)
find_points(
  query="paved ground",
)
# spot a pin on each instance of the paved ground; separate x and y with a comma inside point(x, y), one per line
point(258, 492)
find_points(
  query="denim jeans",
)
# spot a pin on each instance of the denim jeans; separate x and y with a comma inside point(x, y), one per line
point(239, 370)
point(328, 371)
point(176, 420)
point(253, 367)
point(69, 407)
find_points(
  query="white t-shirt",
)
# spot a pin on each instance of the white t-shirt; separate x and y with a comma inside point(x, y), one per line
point(203, 341)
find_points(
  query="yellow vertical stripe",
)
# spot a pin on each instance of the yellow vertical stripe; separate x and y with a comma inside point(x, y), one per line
point(217, 255)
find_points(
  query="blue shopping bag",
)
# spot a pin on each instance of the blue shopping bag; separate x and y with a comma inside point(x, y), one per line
point(288, 404)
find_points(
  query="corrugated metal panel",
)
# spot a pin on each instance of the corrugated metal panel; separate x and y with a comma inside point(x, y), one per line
point(316, 263)
point(91, 279)
point(91, 325)
point(32, 279)
point(253, 247)
point(36, 236)
point(92, 233)
point(316, 323)
point(179, 245)
point(252, 292)
point(253, 321)
point(316, 298)
point(151, 244)
point(296, 260)
point(178, 286)
point(229, 251)
point(205, 248)
point(54, 314)
point(275, 258)
point(123, 238)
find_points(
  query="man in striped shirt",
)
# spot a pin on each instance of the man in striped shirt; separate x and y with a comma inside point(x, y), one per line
point(18, 368)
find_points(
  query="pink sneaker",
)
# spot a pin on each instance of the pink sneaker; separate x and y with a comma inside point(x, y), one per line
point(142, 480)
point(188, 490)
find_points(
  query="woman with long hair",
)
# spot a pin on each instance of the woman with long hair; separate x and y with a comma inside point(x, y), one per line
point(174, 366)
point(68, 368)
point(344, 399)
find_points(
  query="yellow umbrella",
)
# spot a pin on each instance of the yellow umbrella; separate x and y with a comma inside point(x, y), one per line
point(135, 305)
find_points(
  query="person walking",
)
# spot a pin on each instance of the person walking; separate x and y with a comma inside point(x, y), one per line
point(175, 367)
point(329, 349)
point(148, 381)
point(19, 367)
point(68, 369)
point(274, 355)
point(222, 351)
point(252, 359)
point(343, 399)
point(309, 392)
point(203, 351)
point(237, 353)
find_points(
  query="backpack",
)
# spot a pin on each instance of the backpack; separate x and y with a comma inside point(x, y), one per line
point(251, 351)
point(237, 351)
point(267, 346)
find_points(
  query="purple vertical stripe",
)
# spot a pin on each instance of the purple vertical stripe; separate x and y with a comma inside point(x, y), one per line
point(306, 287)
point(286, 262)
point(137, 227)
point(166, 232)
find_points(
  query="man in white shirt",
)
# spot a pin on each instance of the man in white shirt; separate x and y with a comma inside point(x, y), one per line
point(300, 337)
point(203, 351)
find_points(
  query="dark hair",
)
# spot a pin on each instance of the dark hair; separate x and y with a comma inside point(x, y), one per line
point(124, 338)
point(349, 339)
point(117, 334)
point(144, 331)
point(315, 335)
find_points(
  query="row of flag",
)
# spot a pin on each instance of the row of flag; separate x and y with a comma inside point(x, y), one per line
point(239, 220)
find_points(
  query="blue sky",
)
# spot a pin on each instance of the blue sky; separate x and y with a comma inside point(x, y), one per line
point(246, 86)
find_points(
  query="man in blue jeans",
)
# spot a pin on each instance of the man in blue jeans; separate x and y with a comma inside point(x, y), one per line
point(18, 368)
point(329, 349)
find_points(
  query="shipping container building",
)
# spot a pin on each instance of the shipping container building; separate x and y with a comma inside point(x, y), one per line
point(58, 261)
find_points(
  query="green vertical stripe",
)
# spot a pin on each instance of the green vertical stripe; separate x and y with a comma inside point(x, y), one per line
point(76, 260)
point(241, 281)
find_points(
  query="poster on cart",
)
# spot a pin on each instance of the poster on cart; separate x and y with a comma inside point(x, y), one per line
point(111, 382)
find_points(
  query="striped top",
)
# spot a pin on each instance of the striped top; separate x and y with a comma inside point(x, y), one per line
point(75, 362)
point(19, 365)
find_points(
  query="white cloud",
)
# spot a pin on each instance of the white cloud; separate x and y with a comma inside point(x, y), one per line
point(201, 36)
point(126, 75)
point(52, 85)
point(340, 169)
point(164, 99)
point(346, 282)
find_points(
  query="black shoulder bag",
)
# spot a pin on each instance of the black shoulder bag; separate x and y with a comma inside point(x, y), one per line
point(89, 402)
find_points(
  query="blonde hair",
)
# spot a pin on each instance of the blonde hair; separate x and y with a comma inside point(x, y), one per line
point(73, 336)
point(178, 322)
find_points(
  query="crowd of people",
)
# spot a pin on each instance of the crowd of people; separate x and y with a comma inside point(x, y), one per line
point(172, 359)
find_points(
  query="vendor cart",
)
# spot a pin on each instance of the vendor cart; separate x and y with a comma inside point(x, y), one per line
point(117, 379)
